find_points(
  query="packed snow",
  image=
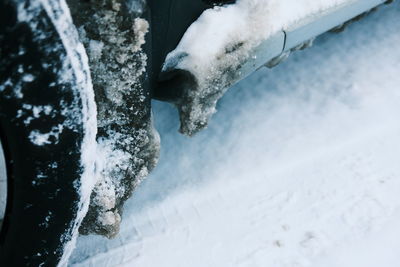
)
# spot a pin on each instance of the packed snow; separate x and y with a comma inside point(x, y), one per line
point(228, 36)
point(298, 168)
point(41, 139)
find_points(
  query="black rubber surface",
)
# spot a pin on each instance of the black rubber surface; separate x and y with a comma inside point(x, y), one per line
point(42, 179)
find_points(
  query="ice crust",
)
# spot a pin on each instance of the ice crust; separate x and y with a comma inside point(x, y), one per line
point(221, 40)
point(127, 143)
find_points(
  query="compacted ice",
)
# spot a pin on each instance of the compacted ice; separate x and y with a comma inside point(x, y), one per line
point(220, 41)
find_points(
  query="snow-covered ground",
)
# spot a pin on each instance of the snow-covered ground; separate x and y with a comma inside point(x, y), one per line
point(300, 167)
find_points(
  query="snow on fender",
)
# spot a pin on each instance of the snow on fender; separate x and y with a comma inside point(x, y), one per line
point(210, 62)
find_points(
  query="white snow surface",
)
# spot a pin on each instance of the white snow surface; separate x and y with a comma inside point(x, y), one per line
point(299, 168)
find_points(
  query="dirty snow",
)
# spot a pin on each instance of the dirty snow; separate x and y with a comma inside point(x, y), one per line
point(41, 139)
point(298, 168)
point(128, 144)
point(228, 36)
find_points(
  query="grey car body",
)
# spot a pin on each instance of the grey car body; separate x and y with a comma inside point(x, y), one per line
point(307, 29)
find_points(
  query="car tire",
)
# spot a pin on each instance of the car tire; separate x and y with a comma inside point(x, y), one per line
point(43, 128)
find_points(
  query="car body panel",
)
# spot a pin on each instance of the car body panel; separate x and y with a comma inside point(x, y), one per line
point(263, 53)
point(317, 24)
point(302, 31)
